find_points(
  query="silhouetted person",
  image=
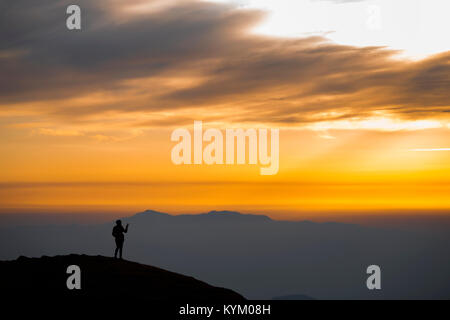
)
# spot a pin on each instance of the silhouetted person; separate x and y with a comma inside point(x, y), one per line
point(118, 234)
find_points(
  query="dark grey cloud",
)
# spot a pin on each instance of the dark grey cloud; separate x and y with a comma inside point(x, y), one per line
point(106, 50)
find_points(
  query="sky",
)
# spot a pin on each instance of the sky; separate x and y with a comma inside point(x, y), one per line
point(358, 89)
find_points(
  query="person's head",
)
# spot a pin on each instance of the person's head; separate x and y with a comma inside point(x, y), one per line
point(119, 222)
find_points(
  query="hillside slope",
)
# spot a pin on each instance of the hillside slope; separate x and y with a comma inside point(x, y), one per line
point(105, 279)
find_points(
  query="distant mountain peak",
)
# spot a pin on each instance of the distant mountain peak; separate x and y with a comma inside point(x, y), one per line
point(220, 215)
point(148, 215)
point(154, 212)
point(225, 212)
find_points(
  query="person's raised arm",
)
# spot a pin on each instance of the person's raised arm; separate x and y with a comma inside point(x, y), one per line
point(126, 228)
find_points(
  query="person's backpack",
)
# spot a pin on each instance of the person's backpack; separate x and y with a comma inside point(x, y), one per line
point(115, 232)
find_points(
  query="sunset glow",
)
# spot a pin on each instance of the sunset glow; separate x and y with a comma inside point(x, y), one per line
point(86, 118)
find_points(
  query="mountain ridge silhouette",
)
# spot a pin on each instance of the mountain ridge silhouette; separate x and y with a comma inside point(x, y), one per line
point(259, 257)
point(214, 214)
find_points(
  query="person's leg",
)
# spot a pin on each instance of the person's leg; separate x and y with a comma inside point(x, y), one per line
point(117, 248)
point(120, 249)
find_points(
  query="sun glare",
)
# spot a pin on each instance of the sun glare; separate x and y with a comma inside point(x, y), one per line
point(413, 26)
